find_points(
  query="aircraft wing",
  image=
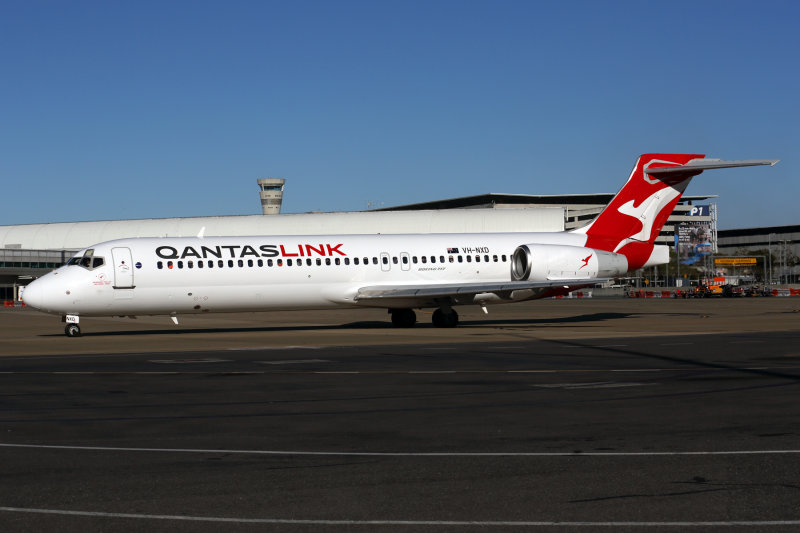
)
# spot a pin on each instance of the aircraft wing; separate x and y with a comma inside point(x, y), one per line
point(461, 293)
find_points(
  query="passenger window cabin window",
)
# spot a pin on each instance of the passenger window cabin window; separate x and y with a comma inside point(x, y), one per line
point(477, 259)
point(469, 259)
point(328, 261)
point(374, 260)
point(190, 264)
point(159, 265)
point(337, 261)
point(414, 259)
point(289, 262)
point(260, 262)
point(220, 263)
point(394, 260)
point(424, 259)
point(280, 262)
point(199, 264)
point(308, 262)
point(169, 265)
point(355, 260)
point(451, 259)
point(269, 262)
point(494, 258)
point(230, 263)
point(504, 258)
point(319, 261)
point(180, 264)
point(366, 260)
point(210, 263)
point(486, 258)
point(346, 260)
point(240, 263)
point(405, 260)
point(441, 259)
point(433, 259)
point(249, 262)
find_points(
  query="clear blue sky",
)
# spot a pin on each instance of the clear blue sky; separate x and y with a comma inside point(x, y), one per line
point(114, 109)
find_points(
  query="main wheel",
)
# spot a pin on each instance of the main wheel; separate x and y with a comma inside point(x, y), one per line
point(73, 330)
point(403, 318)
point(443, 319)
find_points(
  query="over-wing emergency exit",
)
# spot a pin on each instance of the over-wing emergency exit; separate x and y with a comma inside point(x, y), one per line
point(175, 276)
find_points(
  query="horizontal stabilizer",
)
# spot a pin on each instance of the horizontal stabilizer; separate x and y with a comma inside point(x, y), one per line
point(706, 164)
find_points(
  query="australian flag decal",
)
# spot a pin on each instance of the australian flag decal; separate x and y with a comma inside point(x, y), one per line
point(452, 250)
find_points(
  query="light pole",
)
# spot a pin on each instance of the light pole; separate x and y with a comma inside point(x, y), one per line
point(770, 256)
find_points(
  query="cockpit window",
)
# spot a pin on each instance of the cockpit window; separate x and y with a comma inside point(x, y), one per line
point(87, 260)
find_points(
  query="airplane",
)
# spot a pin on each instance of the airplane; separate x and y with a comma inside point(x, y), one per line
point(184, 275)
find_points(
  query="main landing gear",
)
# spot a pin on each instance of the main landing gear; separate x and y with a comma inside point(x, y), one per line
point(442, 318)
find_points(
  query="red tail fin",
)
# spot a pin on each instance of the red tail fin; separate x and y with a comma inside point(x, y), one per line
point(630, 223)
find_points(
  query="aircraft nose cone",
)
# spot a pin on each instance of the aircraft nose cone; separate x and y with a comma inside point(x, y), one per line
point(33, 295)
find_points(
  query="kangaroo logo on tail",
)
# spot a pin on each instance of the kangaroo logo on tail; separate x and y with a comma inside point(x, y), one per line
point(585, 260)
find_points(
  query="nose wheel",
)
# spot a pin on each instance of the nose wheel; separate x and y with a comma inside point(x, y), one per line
point(72, 330)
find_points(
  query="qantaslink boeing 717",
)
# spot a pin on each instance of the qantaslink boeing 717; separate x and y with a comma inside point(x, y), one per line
point(175, 276)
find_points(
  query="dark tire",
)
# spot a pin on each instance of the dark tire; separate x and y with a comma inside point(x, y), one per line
point(72, 330)
point(403, 318)
point(445, 320)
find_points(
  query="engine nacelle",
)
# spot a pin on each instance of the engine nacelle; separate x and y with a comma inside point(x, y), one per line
point(544, 262)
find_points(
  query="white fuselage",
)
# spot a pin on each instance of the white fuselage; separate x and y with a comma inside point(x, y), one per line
point(152, 276)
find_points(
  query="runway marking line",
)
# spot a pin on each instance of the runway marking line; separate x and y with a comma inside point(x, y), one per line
point(292, 362)
point(390, 372)
point(400, 454)
point(464, 523)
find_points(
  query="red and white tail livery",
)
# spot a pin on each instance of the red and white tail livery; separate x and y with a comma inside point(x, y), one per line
point(175, 276)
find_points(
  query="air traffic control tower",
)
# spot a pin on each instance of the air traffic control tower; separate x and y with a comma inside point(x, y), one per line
point(271, 195)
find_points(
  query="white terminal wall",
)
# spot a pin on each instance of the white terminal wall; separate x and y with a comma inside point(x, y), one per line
point(77, 235)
